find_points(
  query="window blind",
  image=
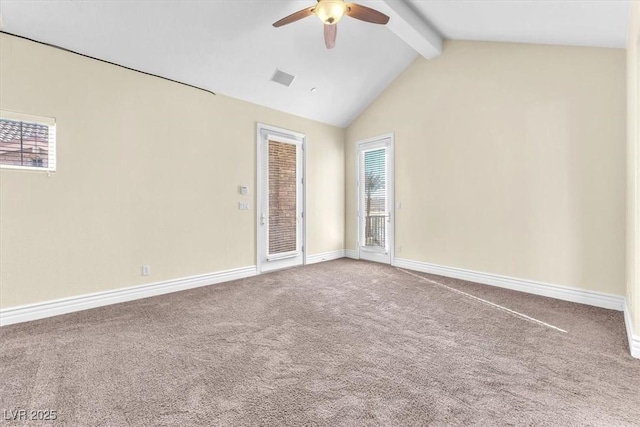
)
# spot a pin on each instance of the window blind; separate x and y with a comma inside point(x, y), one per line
point(283, 223)
point(373, 197)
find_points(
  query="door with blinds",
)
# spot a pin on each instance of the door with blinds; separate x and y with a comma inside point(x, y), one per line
point(375, 200)
point(281, 197)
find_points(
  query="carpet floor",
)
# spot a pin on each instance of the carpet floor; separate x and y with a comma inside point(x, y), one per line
point(339, 343)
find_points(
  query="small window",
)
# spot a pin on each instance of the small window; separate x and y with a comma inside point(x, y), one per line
point(27, 142)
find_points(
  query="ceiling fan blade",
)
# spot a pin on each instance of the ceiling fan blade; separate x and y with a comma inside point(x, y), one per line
point(295, 17)
point(366, 14)
point(330, 32)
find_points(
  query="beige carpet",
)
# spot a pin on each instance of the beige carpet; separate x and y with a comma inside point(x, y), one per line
point(337, 343)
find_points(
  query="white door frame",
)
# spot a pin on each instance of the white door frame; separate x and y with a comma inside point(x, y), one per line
point(390, 195)
point(264, 129)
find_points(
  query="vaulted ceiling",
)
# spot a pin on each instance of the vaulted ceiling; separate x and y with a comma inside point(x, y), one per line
point(231, 48)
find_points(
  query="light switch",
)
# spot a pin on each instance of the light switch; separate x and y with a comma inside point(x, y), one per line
point(244, 190)
point(243, 206)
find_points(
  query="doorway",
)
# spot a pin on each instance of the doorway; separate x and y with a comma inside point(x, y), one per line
point(280, 204)
point(375, 199)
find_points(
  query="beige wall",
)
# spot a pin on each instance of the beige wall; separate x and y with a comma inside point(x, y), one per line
point(633, 163)
point(510, 159)
point(148, 172)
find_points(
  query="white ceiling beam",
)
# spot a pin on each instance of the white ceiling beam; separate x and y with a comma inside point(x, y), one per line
point(411, 28)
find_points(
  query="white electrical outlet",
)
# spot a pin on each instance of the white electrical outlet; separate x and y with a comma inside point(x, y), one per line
point(146, 270)
point(243, 206)
point(244, 190)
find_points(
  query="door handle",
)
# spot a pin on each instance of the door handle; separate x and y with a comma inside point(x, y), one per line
point(262, 218)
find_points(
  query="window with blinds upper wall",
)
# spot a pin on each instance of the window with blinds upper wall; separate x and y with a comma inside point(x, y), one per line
point(27, 142)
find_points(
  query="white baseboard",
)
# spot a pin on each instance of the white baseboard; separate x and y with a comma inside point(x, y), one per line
point(634, 340)
point(325, 256)
point(29, 312)
point(582, 296)
point(351, 253)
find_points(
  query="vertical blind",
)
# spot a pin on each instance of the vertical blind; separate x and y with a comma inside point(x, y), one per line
point(373, 197)
point(27, 144)
point(283, 208)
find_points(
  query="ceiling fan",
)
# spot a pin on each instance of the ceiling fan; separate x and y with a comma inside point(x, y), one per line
point(332, 11)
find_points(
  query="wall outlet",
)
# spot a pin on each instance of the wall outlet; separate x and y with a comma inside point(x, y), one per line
point(243, 206)
point(146, 270)
point(243, 189)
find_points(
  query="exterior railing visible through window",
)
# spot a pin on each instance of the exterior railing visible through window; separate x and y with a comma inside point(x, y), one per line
point(375, 230)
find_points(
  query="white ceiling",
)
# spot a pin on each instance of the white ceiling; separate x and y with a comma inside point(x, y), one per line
point(230, 47)
point(600, 23)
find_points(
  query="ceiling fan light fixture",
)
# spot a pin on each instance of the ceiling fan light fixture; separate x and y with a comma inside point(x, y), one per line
point(330, 12)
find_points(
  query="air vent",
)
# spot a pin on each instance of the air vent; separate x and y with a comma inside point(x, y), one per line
point(282, 78)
